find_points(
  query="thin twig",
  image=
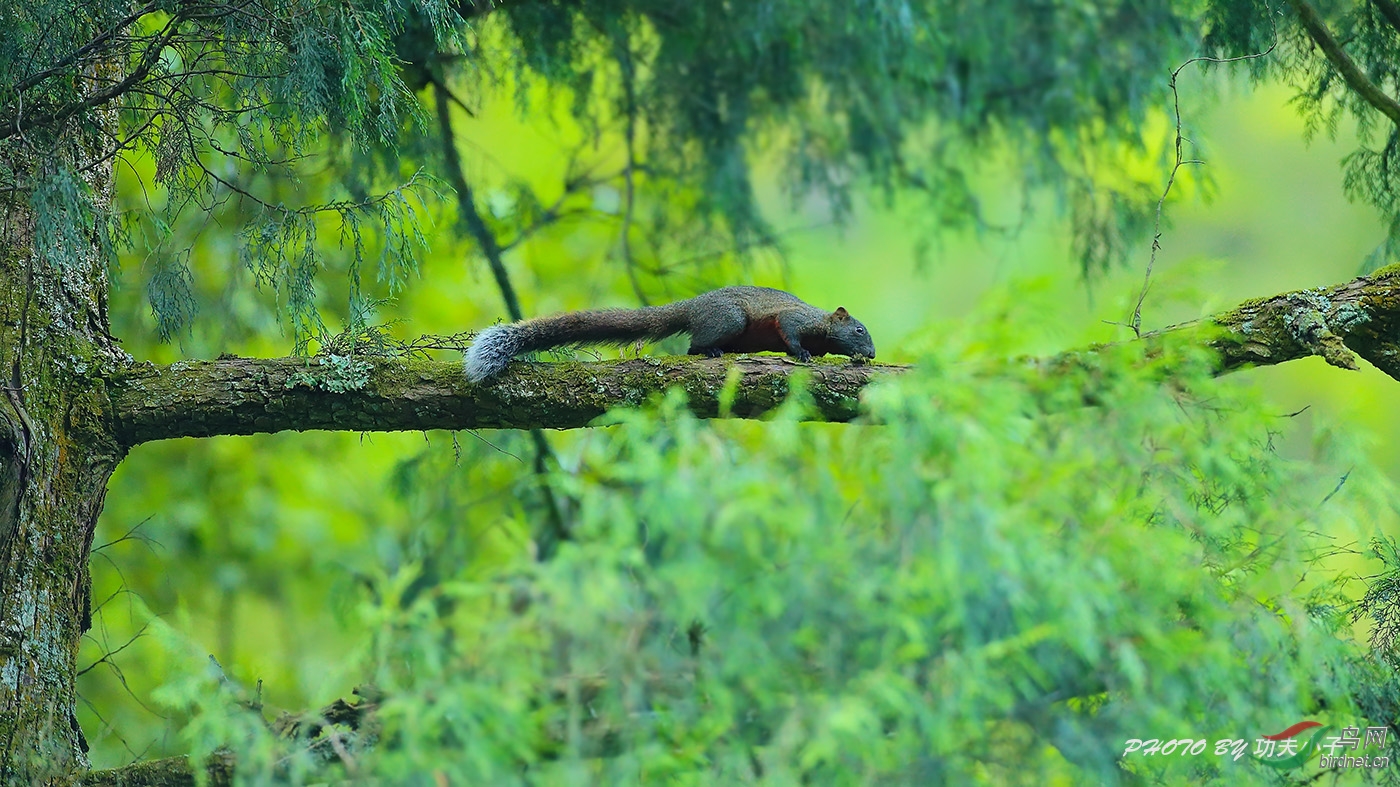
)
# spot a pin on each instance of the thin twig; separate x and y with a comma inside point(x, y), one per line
point(1181, 161)
point(629, 88)
point(106, 657)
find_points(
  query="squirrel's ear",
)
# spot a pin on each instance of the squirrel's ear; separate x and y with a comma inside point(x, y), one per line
point(841, 313)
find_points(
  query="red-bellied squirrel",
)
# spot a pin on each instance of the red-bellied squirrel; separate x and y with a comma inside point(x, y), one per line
point(730, 319)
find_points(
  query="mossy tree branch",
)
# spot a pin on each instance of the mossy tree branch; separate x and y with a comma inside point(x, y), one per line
point(1337, 323)
point(167, 772)
point(247, 396)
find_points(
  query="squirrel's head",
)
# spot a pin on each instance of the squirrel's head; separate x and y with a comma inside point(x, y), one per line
point(848, 336)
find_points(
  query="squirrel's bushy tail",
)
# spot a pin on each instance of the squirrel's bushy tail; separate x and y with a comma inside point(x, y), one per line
point(495, 346)
point(492, 350)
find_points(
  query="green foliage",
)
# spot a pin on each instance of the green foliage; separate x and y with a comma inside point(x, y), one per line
point(1371, 38)
point(59, 200)
point(283, 117)
point(1381, 603)
point(901, 92)
point(236, 116)
point(333, 373)
point(976, 586)
point(230, 105)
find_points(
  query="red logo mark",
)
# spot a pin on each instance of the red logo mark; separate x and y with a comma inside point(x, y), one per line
point(1294, 730)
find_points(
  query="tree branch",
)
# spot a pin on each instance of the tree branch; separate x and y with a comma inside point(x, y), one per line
point(97, 44)
point(18, 123)
point(467, 212)
point(1337, 323)
point(251, 396)
point(1350, 72)
point(248, 396)
point(168, 772)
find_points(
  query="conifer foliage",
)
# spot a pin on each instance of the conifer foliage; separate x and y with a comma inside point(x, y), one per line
point(988, 577)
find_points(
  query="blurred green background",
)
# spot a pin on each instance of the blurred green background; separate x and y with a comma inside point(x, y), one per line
point(246, 548)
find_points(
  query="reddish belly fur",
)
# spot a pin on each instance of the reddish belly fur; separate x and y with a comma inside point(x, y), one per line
point(760, 335)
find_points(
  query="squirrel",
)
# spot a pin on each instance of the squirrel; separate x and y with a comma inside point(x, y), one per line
point(730, 319)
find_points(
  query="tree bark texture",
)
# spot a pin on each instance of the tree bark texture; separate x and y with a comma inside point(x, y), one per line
point(248, 395)
point(56, 453)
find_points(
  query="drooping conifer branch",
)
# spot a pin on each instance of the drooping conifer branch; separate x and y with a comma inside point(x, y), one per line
point(1355, 78)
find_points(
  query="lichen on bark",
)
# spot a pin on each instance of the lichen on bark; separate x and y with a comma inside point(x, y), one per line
point(56, 453)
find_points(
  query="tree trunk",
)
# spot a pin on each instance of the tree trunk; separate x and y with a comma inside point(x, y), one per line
point(56, 453)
